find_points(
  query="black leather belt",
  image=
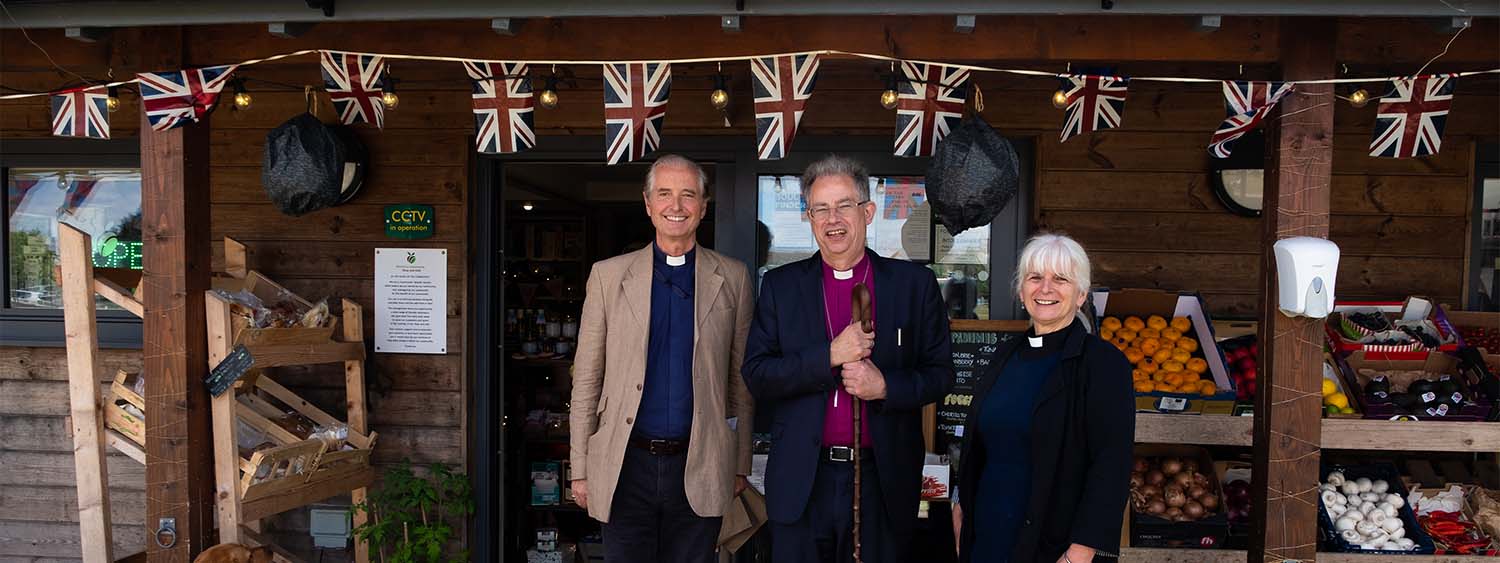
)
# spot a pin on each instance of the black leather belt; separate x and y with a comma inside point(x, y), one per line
point(660, 447)
point(845, 454)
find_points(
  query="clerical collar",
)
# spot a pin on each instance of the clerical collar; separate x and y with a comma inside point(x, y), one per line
point(843, 274)
point(1049, 342)
point(676, 260)
point(673, 261)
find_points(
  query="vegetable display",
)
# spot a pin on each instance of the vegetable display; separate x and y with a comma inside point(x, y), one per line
point(1365, 513)
point(1172, 488)
point(1164, 354)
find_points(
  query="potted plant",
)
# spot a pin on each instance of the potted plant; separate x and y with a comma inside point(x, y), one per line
point(411, 517)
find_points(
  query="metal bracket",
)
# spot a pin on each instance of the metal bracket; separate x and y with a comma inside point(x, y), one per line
point(166, 533)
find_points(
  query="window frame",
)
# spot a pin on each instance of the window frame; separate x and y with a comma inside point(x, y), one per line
point(44, 327)
point(1486, 166)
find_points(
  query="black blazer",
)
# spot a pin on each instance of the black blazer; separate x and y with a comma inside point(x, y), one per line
point(1082, 436)
point(786, 368)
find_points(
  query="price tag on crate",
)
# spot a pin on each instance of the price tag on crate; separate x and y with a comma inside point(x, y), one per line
point(1172, 404)
point(230, 369)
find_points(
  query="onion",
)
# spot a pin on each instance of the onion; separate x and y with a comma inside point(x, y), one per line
point(1155, 477)
point(1195, 491)
point(1171, 466)
point(1209, 502)
point(1174, 496)
point(1190, 465)
point(1151, 491)
point(1183, 480)
point(1156, 507)
point(1172, 513)
point(1193, 510)
point(1141, 465)
point(1136, 480)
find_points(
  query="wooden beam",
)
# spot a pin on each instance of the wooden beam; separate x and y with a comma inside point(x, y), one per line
point(354, 395)
point(125, 446)
point(1288, 409)
point(175, 228)
point(83, 395)
point(226, 455)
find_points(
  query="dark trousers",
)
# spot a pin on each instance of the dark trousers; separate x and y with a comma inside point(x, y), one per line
point(824, 533)
point(650, 520)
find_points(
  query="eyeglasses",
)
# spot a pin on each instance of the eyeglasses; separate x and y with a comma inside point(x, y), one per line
point(846, 209)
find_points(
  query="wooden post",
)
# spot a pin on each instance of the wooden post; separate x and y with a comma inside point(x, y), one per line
point(1288, 409)
point(83, 395)
point(226, 453)
point(175, 229)
point(354, 396)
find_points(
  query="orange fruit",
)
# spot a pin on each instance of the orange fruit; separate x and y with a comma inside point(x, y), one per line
point(1135, 324)
point(1148, 365)
point(1197, 365)
point(1191, 377)
point(1207, 389)
point(1110, 324)
point(1128, 335)
point(1120, 342)
point(1172, 366)
point(1188, 344)
point(1150, 333)
point(1182, 324)
point(1162, 355)
point(1170, 334)
point(1149, 345)
point(1156, 322)
point(1137, 375)
point(1134, 355)
point(1107, 335)
point(1180, 355)
point(1173, 378)
point(1144, 387)
point(1159, 376)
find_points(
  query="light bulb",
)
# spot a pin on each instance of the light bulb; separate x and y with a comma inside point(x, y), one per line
point(888, 99)
point(1059, 99)
point(719, 98)
point(112, 103)
point(241, 100)
point(1359, 98)
point(390, 99)
point(549, 99)
point(528, 206)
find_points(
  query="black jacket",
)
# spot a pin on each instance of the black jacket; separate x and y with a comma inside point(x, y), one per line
point(786, 369)
point(1082, 435)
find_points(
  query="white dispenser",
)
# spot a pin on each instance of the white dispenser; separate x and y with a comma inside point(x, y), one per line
point(1305, 271)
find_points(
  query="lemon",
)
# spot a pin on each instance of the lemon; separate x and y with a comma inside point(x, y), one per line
point(1346, 410)
point(1337, 399)
point(1329, 388)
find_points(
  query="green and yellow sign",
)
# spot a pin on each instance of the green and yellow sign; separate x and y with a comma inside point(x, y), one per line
point(408, 221)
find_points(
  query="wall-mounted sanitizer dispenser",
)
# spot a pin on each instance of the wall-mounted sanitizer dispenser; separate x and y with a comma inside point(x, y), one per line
point(1305, 271)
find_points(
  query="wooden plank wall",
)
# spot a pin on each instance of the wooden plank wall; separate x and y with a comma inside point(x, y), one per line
point(1137, 197)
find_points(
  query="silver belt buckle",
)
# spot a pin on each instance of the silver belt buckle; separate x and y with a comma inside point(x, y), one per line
point(841, 453)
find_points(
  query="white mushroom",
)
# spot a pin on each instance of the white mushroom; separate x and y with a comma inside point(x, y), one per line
point(1332, 499)
point(1353, 499)
point(1398, 532)
point(1366, 508)
point(1406, 544)
point(1378, 539)
point(1350, 488)
point(1396, 501)
point(1390, 525)
point(1371, 497)
point(1327, 487)
point(1351, 536)
point(1380, 486)
point(1364, 484)
point(1365, 528)
point(1388, 508)
point(1336, 478)
point(1354, 514)
point(1376, 516)
point(1344, 523)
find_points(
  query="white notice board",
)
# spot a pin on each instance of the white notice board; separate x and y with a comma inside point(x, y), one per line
point(411, 296)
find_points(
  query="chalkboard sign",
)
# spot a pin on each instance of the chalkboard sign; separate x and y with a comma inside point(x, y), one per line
point(229, 370)
point(974, 344)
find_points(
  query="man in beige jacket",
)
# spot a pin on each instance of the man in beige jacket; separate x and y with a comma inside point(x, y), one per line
point(660, 418)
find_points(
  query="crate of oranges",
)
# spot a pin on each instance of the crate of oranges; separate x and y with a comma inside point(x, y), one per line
point(1167, 338)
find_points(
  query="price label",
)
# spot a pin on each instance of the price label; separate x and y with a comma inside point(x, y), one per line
point(1176, 404)
point(1429, 397)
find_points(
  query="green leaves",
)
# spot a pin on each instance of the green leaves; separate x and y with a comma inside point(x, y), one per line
point(411, 516)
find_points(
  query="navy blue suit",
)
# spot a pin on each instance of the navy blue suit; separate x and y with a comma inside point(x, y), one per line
point(787, 371)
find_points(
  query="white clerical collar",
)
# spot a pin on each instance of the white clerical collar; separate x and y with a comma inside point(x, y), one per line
point(843, 274)
point(1034, 341)
point(676, 260)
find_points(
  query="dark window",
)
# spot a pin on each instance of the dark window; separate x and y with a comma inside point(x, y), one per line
point(92, 185)
point(1484, 271)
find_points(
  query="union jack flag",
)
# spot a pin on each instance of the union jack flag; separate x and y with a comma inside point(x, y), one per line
point(172, 98)
point(929, 102)
point(783, 85)
point(78, 193)
point(19, 187)
point(1094, 103)
point(355, 83)
point(503, 107)
point(81, 113)
point(902, 197)
point(635, 108)
point(1409, 122)
point(1247, 105)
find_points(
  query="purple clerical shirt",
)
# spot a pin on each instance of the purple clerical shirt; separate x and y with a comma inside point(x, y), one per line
point(838, 417)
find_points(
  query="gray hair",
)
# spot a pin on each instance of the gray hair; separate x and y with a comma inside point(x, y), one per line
point(677, 161)
point(1060, 254)
point(835, 165)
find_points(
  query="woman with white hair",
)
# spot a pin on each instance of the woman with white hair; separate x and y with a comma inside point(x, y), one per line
point(1045, 467)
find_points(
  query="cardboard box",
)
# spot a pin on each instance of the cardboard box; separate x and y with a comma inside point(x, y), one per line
point(1455, 320)
point(1207, 533)
point(1340, 330)
point(1466, 513)
point(1146, 302)
point(1360, 367)
point(936, 481)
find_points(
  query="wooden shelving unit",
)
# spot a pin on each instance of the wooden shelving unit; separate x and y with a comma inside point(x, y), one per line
point(1145, 555)
point(80, 282)
point(294, 472)
point(1338, 433)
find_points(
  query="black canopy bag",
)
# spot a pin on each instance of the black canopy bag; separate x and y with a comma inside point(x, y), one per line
point(972, 176)
point(304, 166)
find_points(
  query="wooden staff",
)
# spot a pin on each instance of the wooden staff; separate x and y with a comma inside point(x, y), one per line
point(859, 311)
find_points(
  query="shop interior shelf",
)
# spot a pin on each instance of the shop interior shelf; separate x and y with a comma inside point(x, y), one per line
point(1338, 433)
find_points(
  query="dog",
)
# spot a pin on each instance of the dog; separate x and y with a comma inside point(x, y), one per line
point(234, 553)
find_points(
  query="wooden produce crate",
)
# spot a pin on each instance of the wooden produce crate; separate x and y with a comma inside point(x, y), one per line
point(117, 417)
point(271, 293)
point(297, 470)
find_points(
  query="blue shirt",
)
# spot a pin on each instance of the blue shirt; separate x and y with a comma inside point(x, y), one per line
point(666, 410)
point(1005, 431)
